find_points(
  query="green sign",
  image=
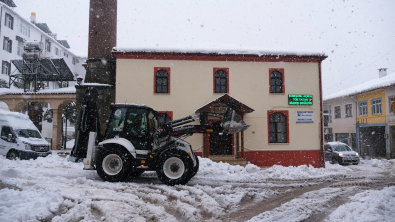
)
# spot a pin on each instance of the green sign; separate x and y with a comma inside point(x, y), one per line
point(294, 99)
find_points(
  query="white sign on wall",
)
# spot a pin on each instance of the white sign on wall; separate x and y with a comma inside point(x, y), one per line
point(304, 117)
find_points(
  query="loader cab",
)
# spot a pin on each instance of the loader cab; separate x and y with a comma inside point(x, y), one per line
point(134, 123)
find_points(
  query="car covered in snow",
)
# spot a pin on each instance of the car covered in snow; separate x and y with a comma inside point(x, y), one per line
point(20, 138)
point(338, 152)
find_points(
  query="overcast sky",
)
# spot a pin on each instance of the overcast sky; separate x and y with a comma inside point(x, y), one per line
point(358, 36)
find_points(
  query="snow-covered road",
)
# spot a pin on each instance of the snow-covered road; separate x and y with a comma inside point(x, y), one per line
point(53, 189)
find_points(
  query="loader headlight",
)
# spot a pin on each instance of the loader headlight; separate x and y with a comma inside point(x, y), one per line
point(180, 144)
point(356, 154)
point(340, 154)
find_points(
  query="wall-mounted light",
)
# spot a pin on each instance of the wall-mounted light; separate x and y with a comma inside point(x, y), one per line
point(79, 80)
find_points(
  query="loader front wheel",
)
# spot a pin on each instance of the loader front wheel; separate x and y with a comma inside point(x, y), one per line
point(114, 164)
point(174, 167)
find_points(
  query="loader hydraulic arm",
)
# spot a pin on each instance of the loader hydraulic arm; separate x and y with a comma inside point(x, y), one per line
point(231, 123)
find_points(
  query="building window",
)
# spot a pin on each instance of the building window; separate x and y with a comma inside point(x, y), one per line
point(391, 99)
point(48, 45)
point(326, 118)
point(348, 108)
point(6, 68)
point(56, 51)
point(278, 126)
point(161, 80)
point(66, 55)
point(330, 113)
point(19, 51)
point(7, 44)
point(276, 81)
point(363, 108)
point(376, 106)
point(221, 80)
point(342, 137)
point(9, 21)
point(338, 113)
point(24, 29)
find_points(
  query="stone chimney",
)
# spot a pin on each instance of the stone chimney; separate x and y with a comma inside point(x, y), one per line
point(100, 65)
point(382, 72)
point(33, 17)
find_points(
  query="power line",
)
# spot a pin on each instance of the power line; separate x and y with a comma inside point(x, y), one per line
point(362, 68)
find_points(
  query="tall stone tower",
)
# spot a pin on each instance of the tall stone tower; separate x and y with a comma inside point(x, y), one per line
point(100, 67)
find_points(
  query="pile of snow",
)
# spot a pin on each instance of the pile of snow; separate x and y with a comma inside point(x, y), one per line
point(253, 173)
point(70, 144)
point(29, 205)
point(370, 205)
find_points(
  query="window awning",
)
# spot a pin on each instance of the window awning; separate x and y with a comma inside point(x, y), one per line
point(223, 101)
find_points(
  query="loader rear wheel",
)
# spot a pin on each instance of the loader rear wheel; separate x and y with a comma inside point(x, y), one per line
point(174, 167)
point(114, 164)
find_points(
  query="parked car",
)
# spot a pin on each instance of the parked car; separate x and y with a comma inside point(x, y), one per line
point(341, 153)
point(20, 138)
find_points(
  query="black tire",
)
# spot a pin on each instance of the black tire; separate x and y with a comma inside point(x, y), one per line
point(136, 172)
point(174, 167)
point(195, 168)
point(114, 164)
point(355, 163)
point(333, 161)
point(12, 155)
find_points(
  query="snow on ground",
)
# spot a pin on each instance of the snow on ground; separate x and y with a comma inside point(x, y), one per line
point(370, 205)
point(54, 189)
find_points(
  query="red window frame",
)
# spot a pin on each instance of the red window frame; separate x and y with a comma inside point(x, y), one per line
point(282, 72)
point(270, 112)
point(167, 69)
point(227, 78)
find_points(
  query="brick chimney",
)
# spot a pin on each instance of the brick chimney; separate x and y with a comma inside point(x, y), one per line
point(382, 72)
point(102, 28)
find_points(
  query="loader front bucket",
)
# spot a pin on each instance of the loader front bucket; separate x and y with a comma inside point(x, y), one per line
point(232, 122)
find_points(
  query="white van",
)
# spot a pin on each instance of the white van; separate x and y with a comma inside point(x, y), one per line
point(20, 138)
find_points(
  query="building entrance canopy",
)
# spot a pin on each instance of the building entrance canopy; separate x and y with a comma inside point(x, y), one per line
point(219, 105)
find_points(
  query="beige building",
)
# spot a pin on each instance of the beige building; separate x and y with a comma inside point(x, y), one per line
point(339, 120)
point(279, 95)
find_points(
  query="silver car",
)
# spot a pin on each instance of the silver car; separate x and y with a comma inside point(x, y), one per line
point(341, 153)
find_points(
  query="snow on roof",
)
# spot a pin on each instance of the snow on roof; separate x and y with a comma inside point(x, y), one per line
point(68, 90)
point(17, 120)
point(220, 51)
point(95, 84)
point(364, 87)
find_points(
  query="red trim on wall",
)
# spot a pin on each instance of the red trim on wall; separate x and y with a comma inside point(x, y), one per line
point(227, 78)
point(284, 158)
point(270, 112)
point(199, 154)
point(282, 72)
point(170, 113)
point(167, 69)
point(217, 57)
point(321, 119)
